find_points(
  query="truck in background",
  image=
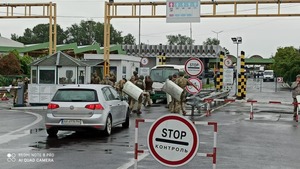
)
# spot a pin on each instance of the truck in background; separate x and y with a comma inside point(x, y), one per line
point(159, 74)
point(268, 75)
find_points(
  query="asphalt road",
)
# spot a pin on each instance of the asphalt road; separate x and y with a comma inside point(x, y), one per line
point(269, 141)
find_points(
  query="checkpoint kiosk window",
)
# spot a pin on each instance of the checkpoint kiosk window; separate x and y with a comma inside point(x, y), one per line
point(47, 77)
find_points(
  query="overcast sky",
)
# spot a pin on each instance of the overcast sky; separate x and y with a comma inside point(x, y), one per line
point(261, 36)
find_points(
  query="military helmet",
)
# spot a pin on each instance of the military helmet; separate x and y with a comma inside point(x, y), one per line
point(181, 73)
point(141, 77)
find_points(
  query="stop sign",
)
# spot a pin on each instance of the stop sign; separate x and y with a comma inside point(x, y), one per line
point(173, 140)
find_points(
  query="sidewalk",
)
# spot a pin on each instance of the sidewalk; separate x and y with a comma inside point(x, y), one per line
point(8, 104)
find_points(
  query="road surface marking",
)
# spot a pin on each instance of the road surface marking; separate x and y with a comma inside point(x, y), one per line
point(131, 162)
point(10, 136)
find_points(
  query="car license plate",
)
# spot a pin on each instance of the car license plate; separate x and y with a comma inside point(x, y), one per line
point(70, 122)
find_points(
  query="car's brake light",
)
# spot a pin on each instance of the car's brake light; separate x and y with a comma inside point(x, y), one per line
point(97, 106)
point(52, 106)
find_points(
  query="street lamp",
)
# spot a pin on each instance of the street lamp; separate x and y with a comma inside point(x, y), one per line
point(217, 51)
point(217, 35)
point(237, 41)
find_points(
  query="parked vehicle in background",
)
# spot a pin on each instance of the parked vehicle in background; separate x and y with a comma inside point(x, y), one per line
point(268, 75)
point(80, 107)
point(159, 74)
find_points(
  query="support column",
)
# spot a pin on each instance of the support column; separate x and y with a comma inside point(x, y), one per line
point(242, 78)
point(219, 85)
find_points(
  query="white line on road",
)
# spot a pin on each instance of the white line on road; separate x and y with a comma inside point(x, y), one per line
point(9, 136)
point(131, 162)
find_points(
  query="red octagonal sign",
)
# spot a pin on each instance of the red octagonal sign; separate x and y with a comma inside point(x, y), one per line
point(173, 140)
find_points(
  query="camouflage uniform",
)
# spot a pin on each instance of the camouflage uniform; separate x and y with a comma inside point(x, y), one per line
point(182, 82)
point(172, 103)
point(14, 91)
point(133, 79)
point(148, 89)
point(112, 77)
point(95, 78)
point(26, 82)
point(119, 86)
point(106, 81)
point(139, 83)
point(295, 92)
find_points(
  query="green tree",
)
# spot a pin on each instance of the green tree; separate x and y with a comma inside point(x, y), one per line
point(39, 34)
point(286, 63)
point(88, 32)
point(179, 40)
point(129, 39)
point(211, 41)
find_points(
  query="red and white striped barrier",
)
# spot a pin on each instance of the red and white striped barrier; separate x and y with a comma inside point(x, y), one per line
point(213, 154)
point(8, 88)
point(4, 90)
point(209, 100)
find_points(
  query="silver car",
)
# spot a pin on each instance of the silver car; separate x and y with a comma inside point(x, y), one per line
point(77, 107)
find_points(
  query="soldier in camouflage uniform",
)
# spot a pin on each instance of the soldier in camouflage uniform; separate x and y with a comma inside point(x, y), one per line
point(139, 83)
point(119, 86)
point(106, 81)
point(112, 77)
point(182, 82)
point(148, 89)
point(172, 103)
point(133, 79)
point(95, 78)
point(295, 92)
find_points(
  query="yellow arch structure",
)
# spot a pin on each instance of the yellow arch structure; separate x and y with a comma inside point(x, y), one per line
point(47, 10)
point(111, 11)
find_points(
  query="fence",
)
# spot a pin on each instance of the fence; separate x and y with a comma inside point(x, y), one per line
point(252, 102)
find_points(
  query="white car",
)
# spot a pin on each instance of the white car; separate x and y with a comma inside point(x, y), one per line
point(78, 107)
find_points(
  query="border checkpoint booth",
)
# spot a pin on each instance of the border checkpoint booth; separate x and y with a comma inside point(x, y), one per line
point(52, 72)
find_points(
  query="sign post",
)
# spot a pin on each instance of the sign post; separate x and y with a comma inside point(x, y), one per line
point(194, 67)
point(196, 87)
point(173, 140)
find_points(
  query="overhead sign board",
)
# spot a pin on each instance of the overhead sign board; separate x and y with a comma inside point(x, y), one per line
point(184, 11)
point(173, 140)
point(195, 87)
point(194, 67)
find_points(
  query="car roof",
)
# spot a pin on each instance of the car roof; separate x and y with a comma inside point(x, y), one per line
point(84, 86)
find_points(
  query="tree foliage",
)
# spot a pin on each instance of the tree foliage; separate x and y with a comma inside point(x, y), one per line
point(39, 34)
point(10, 65)
point(211, 41)
point(89, 32)
point(84, 33)
point(129, 39)
point(287, 61)
point(179, 40)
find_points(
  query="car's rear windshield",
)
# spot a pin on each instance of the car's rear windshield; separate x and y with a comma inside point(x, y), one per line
point(75, 95)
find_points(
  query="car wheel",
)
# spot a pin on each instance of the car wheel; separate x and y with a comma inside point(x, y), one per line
point(52, 132)
point(126, 123)
point(108, 126)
